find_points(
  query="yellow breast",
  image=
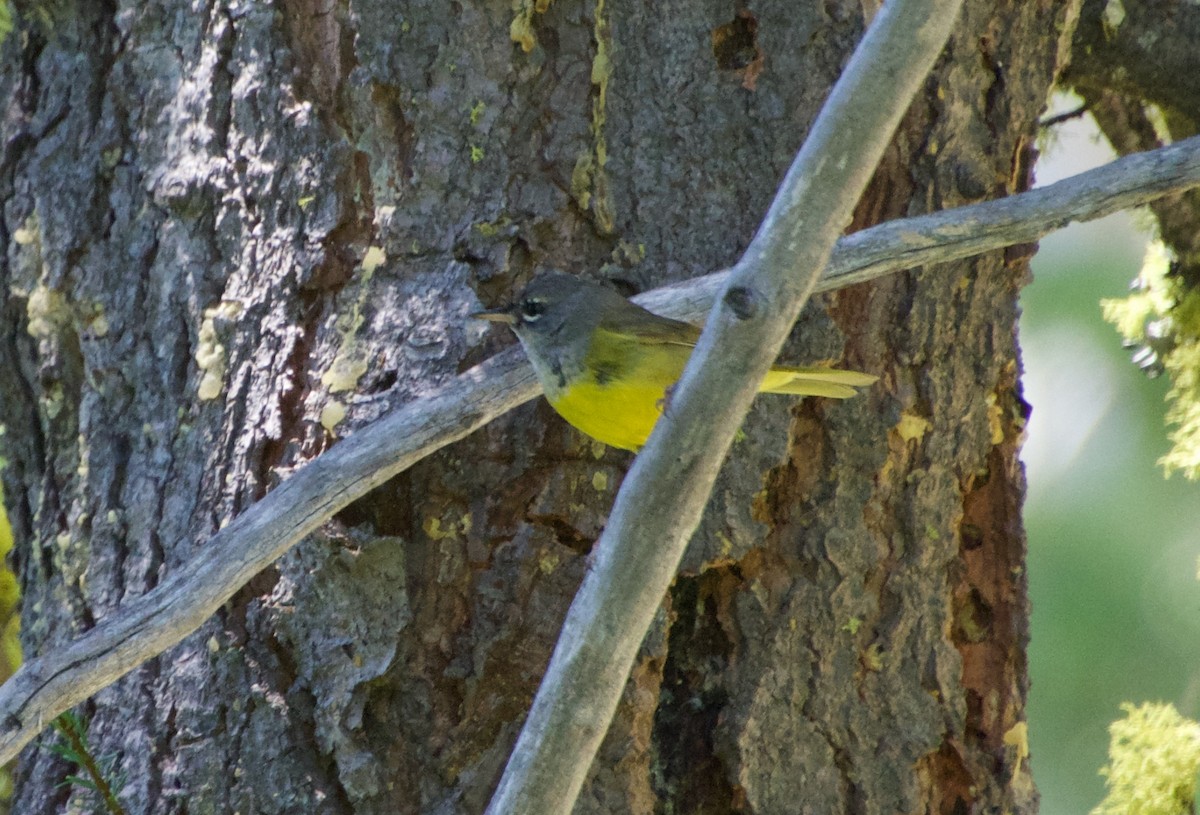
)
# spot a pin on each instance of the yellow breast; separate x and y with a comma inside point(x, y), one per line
point(620, 393)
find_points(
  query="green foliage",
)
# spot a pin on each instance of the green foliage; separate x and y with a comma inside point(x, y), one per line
point(10, 643)
point(1163, 318)
point(1153, 760)
point(96, 773)
point(477, 112)
point(6, 20)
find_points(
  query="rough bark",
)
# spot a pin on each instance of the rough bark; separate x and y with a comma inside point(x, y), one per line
point(190, 197)
point(1134, 64)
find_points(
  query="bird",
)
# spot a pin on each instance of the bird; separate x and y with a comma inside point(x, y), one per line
point(606, 364)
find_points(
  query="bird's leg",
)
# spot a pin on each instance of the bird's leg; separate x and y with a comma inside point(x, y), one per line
point(664, 404)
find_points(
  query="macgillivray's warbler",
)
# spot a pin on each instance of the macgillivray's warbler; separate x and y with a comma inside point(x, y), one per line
point(606, 363)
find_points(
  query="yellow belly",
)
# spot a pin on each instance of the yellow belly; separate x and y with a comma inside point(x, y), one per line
point(619, 414)
point(619, 394)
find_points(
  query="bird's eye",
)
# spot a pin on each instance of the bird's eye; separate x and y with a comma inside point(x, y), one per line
point(532, 309)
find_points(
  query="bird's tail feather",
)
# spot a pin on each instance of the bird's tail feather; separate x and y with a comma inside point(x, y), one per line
point(829, 382)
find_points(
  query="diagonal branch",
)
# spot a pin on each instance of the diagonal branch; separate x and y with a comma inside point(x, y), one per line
point(143, 628)
point(662, 498)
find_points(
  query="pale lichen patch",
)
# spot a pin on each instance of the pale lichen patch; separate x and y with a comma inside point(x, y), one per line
point(210, 351)
point(332, 414)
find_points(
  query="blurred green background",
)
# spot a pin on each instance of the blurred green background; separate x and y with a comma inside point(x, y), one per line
point(1112, 545)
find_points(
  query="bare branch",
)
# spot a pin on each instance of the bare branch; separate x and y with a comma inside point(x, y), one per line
point(47, 685)
point(1126, 183)
point(662, 499)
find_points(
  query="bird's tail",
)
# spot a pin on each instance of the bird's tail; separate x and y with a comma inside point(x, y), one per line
point(830, 382)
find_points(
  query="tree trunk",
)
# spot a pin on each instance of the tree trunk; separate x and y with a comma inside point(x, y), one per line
point(237, 232)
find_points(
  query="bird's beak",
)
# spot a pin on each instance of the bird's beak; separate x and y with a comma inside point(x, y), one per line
point(496, 315)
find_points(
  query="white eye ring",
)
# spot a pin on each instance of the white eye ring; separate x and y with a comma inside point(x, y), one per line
point(532, 309)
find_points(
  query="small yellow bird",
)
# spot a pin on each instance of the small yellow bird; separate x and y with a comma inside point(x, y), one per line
point(606, 363)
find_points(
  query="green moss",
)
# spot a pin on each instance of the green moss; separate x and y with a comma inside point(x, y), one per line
point(350, 362)
point(1112, 17)
point(628, 254)
point(589, 179)
point(47, 312)
point(581, 180)
point(10, 626)
point(1152, 763)
point(1164, 317)
point(210, 351)
point(1152, 299)
point(490, 229)
point(521, 29)
point(10, 595)
point(601, 75)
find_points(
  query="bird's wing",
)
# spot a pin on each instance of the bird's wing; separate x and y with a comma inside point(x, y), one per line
point(648, 327)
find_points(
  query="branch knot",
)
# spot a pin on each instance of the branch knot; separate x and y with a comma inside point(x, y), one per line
point(744, 302)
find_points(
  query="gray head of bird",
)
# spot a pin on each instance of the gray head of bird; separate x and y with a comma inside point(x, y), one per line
point(555, 308)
